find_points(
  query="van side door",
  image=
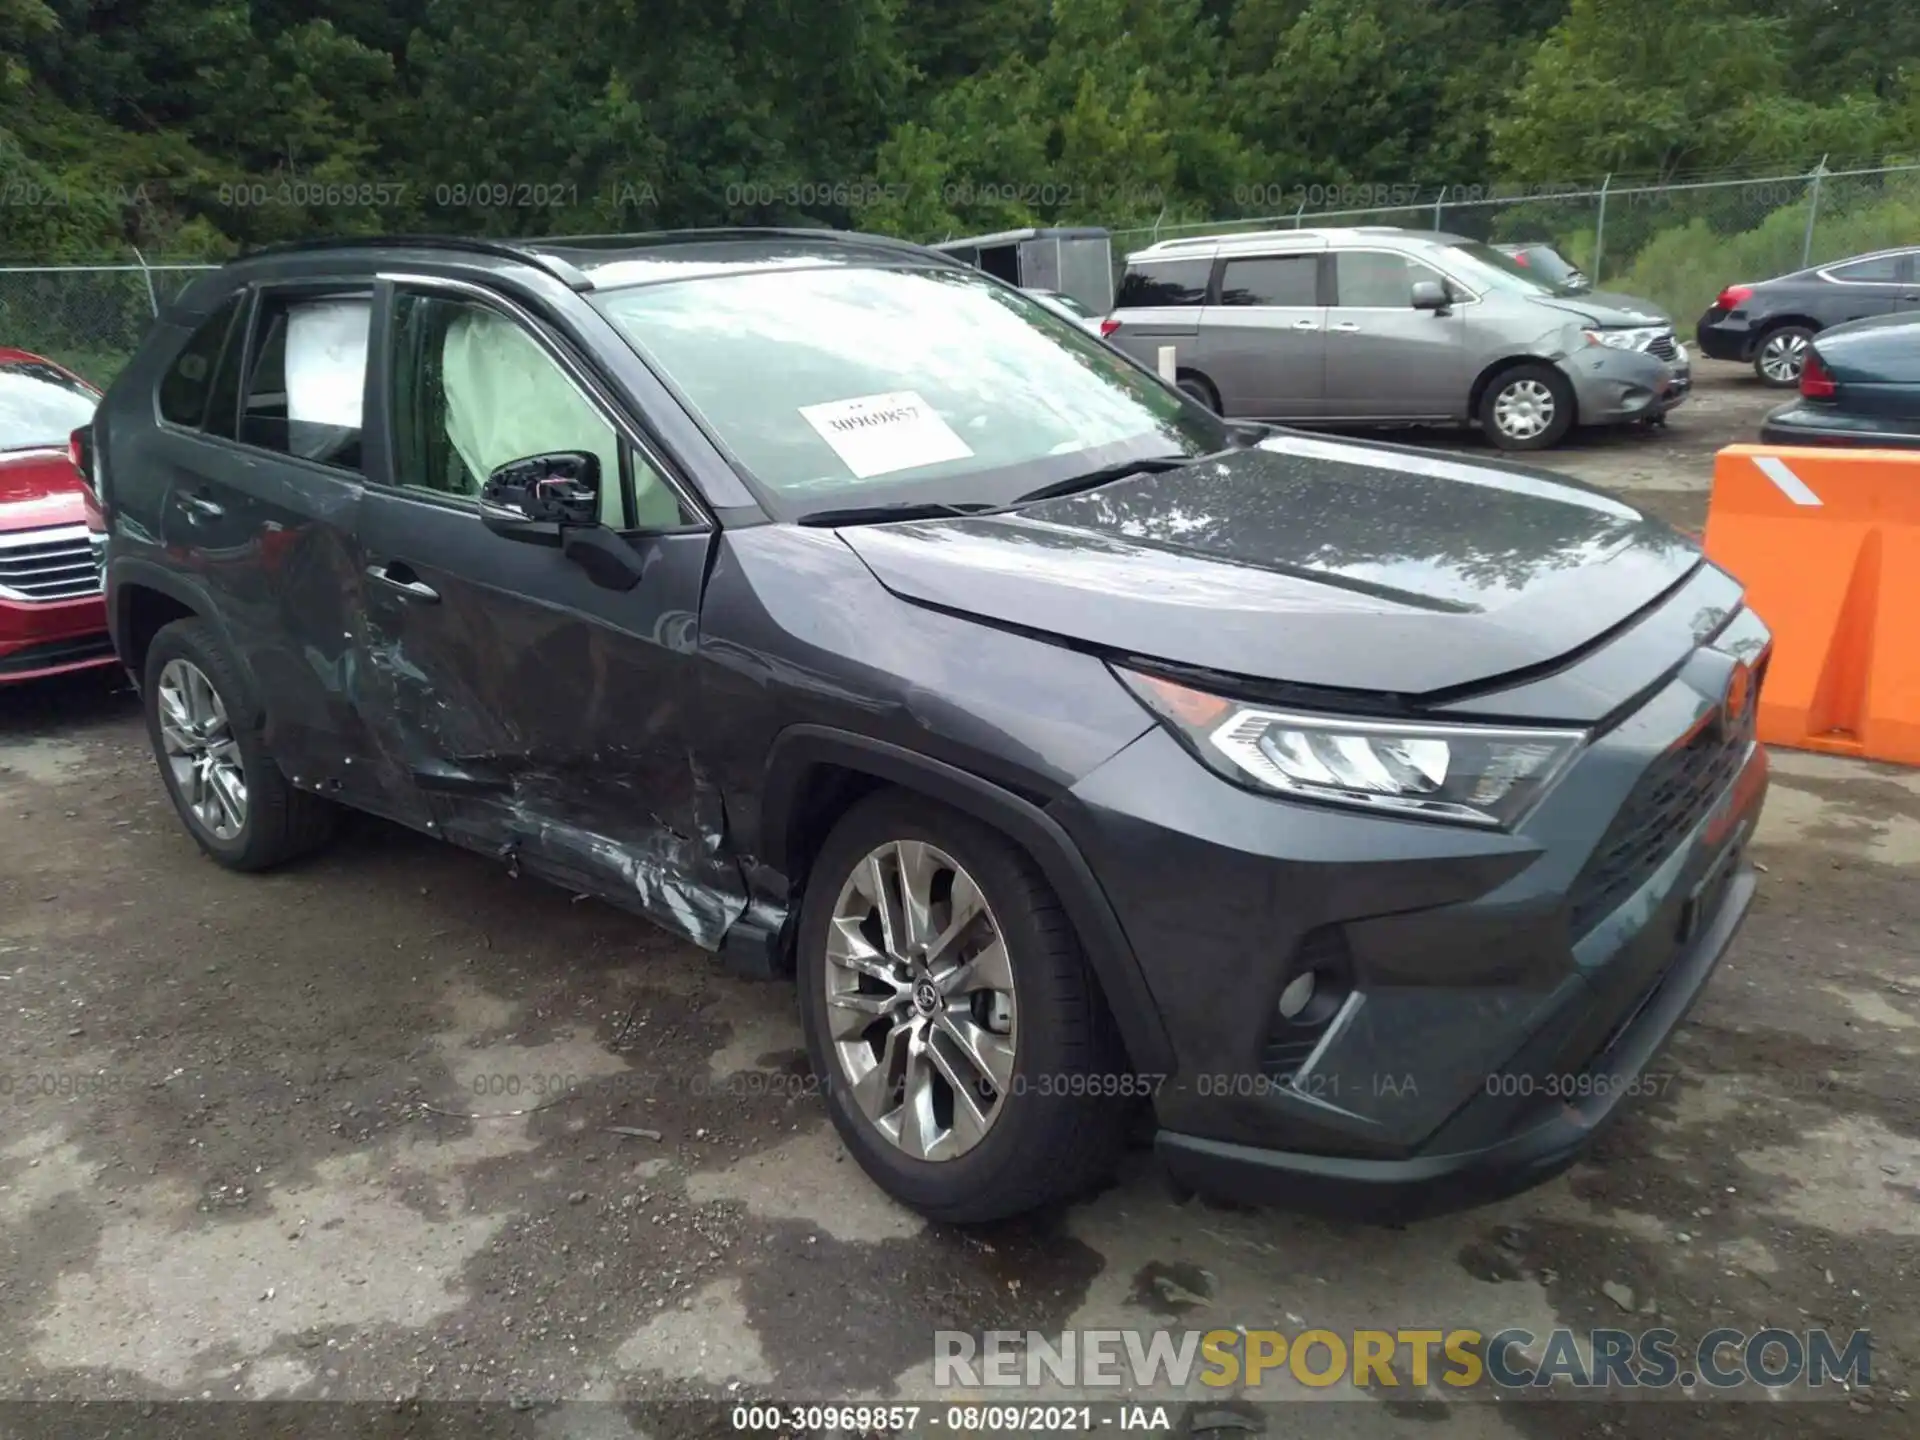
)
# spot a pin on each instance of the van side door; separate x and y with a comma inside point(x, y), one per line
point(1263, 339)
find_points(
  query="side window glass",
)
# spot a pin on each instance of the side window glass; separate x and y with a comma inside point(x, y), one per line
point(1289, 280)
point(1177, 282)
point(473, 390)
point(1377, 279)
point(187, 388)
point(307, 377)
point(1881, 270)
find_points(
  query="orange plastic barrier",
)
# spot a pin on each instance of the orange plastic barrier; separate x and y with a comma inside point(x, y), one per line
point(1827, 543)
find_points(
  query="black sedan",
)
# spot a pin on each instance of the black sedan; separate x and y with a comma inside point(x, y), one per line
point(1860, 386)
point(1769, 323)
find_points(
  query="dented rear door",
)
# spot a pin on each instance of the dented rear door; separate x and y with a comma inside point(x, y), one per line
point(541, 718)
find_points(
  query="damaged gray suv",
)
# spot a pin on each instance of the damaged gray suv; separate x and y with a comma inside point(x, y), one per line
point(1365, 819)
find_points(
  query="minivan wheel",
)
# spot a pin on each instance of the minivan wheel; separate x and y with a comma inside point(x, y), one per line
point(232, 798)
point(1529, 407)
point(1781, 356)
point(969, 1060)
point(1199, 391)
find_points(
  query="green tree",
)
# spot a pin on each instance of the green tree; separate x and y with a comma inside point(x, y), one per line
point(1652, 88)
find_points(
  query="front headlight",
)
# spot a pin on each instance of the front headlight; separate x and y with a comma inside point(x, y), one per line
point(1468, 774)
point(1637, 339)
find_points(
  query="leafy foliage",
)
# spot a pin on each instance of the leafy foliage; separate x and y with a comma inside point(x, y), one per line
point(188, 127)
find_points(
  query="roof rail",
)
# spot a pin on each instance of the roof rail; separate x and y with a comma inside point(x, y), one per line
point(1228, 235)
point(740, 232)
point(570, 275)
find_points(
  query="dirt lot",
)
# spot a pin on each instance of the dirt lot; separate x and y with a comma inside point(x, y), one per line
point(341, 1133)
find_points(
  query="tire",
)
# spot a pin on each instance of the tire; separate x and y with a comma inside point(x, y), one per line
point(1197, 389)
point(1780, 354)
point(276, 823)
point(1058, 1116)
point(1529, 407)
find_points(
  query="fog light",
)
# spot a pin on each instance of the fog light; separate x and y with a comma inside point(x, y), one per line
point(1297, 996)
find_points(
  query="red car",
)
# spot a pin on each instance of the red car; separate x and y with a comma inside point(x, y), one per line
point(52, 616)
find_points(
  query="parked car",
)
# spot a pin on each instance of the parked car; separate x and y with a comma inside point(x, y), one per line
point(1068, 308)
point(1550, 265)
point(1859, 385)
point(1396, 327)
point(1768, 323)
point(51, 616)
point(1077, 757)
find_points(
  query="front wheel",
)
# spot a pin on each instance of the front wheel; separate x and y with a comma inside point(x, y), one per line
point(1529, 407)
point(969, 1059)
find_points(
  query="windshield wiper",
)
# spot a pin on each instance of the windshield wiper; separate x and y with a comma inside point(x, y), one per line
point(897, 510)
point(1107, 474)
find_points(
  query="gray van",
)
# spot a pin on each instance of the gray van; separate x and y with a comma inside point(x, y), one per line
point(1399, 327)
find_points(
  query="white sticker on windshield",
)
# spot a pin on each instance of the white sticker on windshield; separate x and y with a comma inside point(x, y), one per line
point(878, 434)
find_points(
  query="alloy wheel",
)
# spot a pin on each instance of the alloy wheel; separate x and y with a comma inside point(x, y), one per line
point(1782, 356)
point(200, 749)
point(920, 1000)
point(1524, 409)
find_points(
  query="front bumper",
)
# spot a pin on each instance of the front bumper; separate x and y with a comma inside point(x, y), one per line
point(1496, 1002)
point(1561, 1126)
point(1613, 387)
point(43, 639)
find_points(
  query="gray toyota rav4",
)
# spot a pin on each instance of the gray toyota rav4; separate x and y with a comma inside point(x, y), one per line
point(1365, 819)
point(1379, 326)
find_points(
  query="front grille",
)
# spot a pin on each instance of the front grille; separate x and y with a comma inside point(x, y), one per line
point(1663, 346)
point(1671, 799)
point(47, 565)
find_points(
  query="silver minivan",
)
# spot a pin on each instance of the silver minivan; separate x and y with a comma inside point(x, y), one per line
point(1378, 325)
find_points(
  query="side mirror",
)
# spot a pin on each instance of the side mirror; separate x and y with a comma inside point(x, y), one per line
point(1430, 295)
point(535, 498)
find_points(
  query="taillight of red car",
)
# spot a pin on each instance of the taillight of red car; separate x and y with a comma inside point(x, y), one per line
point(1108, 326)
point(1733, 297)
point(1816, 381)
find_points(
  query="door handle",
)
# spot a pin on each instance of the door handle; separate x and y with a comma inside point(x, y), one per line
point(203, 506)
point(399, 577)
point(1306, 324)
point(1346, 327)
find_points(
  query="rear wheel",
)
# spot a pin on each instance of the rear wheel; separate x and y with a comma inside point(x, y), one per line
point(1781, 355)
point(970, 1063)
point(231, 796)
point(1197, 389)
point(1529, 407)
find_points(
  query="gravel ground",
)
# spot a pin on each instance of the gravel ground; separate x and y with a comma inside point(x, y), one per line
point(345, 1132)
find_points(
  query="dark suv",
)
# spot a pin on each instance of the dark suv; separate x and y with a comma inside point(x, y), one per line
point(1369, 816)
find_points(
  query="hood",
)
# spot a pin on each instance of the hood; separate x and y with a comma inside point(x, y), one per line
point(1311, 562)
point(39, 487)
point(1602, 307)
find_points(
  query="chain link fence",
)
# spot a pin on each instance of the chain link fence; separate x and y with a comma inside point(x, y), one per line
point(89, 318)
point(1676, 244)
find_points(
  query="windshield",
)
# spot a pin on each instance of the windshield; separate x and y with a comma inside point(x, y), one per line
point(41, 406)
point(1483, 265)
point(843, 386)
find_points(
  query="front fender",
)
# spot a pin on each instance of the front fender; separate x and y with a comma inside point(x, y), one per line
point(799, 750)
